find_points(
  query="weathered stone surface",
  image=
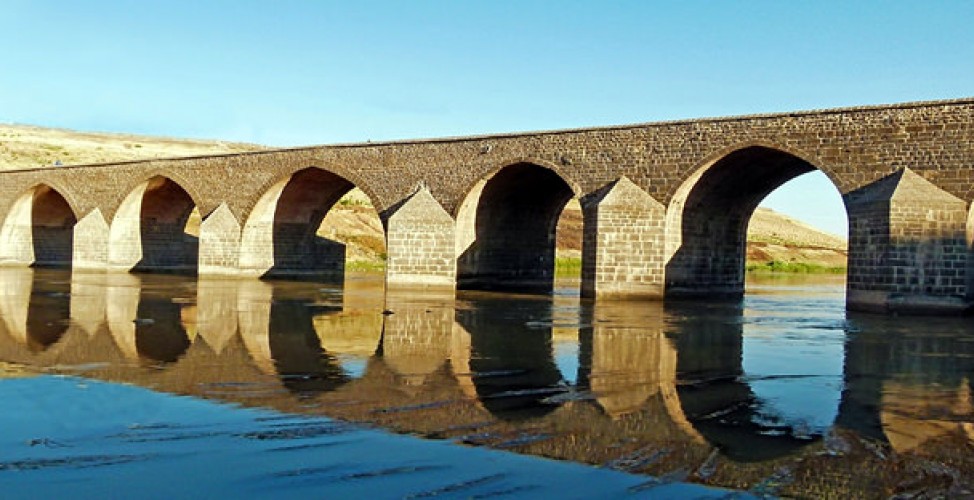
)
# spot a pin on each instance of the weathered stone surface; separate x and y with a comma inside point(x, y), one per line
point(219, 243)
point(91, 237)
point(908, 248)
point(623, 243)
point(420, 242)
point(708, 174)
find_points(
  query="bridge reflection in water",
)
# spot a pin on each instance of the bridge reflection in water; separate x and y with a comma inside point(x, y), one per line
point(790, 392)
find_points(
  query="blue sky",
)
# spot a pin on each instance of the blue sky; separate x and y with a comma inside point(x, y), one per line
point(311, 72)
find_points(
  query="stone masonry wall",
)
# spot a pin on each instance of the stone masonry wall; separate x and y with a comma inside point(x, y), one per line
point(854, 147)
point(624, 248)
point(420, 244)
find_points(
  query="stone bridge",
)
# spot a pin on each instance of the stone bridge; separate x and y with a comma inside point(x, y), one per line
point(665, 206)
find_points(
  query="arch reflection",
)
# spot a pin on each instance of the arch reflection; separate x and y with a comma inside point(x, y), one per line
point(145, 317)
point(647, 376)
point(717, 397)
point(511, 363)
point(303, 334)
point(301, 362)
point(35, 306)
point(628, 360)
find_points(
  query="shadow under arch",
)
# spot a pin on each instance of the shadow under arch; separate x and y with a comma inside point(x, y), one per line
point(39, 229)
point(156, 229)
point(708, 216)
point(506, 229)
point(282, 234)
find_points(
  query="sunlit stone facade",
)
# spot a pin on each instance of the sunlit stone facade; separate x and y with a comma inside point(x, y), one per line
point(665, 205)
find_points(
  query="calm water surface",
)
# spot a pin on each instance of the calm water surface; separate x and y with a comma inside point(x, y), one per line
point(783, 393)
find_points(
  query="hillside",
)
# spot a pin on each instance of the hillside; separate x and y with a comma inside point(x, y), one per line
point(772, 237)
point(25, 146)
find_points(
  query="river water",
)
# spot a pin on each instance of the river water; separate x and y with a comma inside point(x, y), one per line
point(783, 393)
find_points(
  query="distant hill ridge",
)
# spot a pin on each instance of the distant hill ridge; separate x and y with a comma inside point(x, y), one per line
point(769, 226)
point(27, 146)
point(771, 236)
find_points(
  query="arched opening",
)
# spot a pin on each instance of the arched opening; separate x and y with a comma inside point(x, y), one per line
point(312, 224)
point(39, 230)
point(708, 219)
point(52, 222)
point(757, 364)
point(156, 229)
point(506, 230)
point(568, 246)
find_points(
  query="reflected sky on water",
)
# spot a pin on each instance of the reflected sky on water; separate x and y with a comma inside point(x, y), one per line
point(783, 392)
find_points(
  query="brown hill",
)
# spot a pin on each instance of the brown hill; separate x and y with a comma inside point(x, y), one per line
point(25, 146)
point(774, 237)
point(771, 236)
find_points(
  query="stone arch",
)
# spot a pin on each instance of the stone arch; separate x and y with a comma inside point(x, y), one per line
point(506, 228)
point(708, 215)
point(474, 190)
point(187, 184)
point(251, 205)
point(280, 237)
point(156, 228)
point(39, 229)
point(685, 180)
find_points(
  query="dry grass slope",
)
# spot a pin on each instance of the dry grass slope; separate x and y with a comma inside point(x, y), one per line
point(25, 146)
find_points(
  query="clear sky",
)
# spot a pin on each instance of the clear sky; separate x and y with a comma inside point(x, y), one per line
point(290, 72)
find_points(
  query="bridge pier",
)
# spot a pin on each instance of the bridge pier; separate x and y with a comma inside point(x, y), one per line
point(91, 234)
point(420, 244)
point(623, 243)
point(219, 250)
point(908, 249)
